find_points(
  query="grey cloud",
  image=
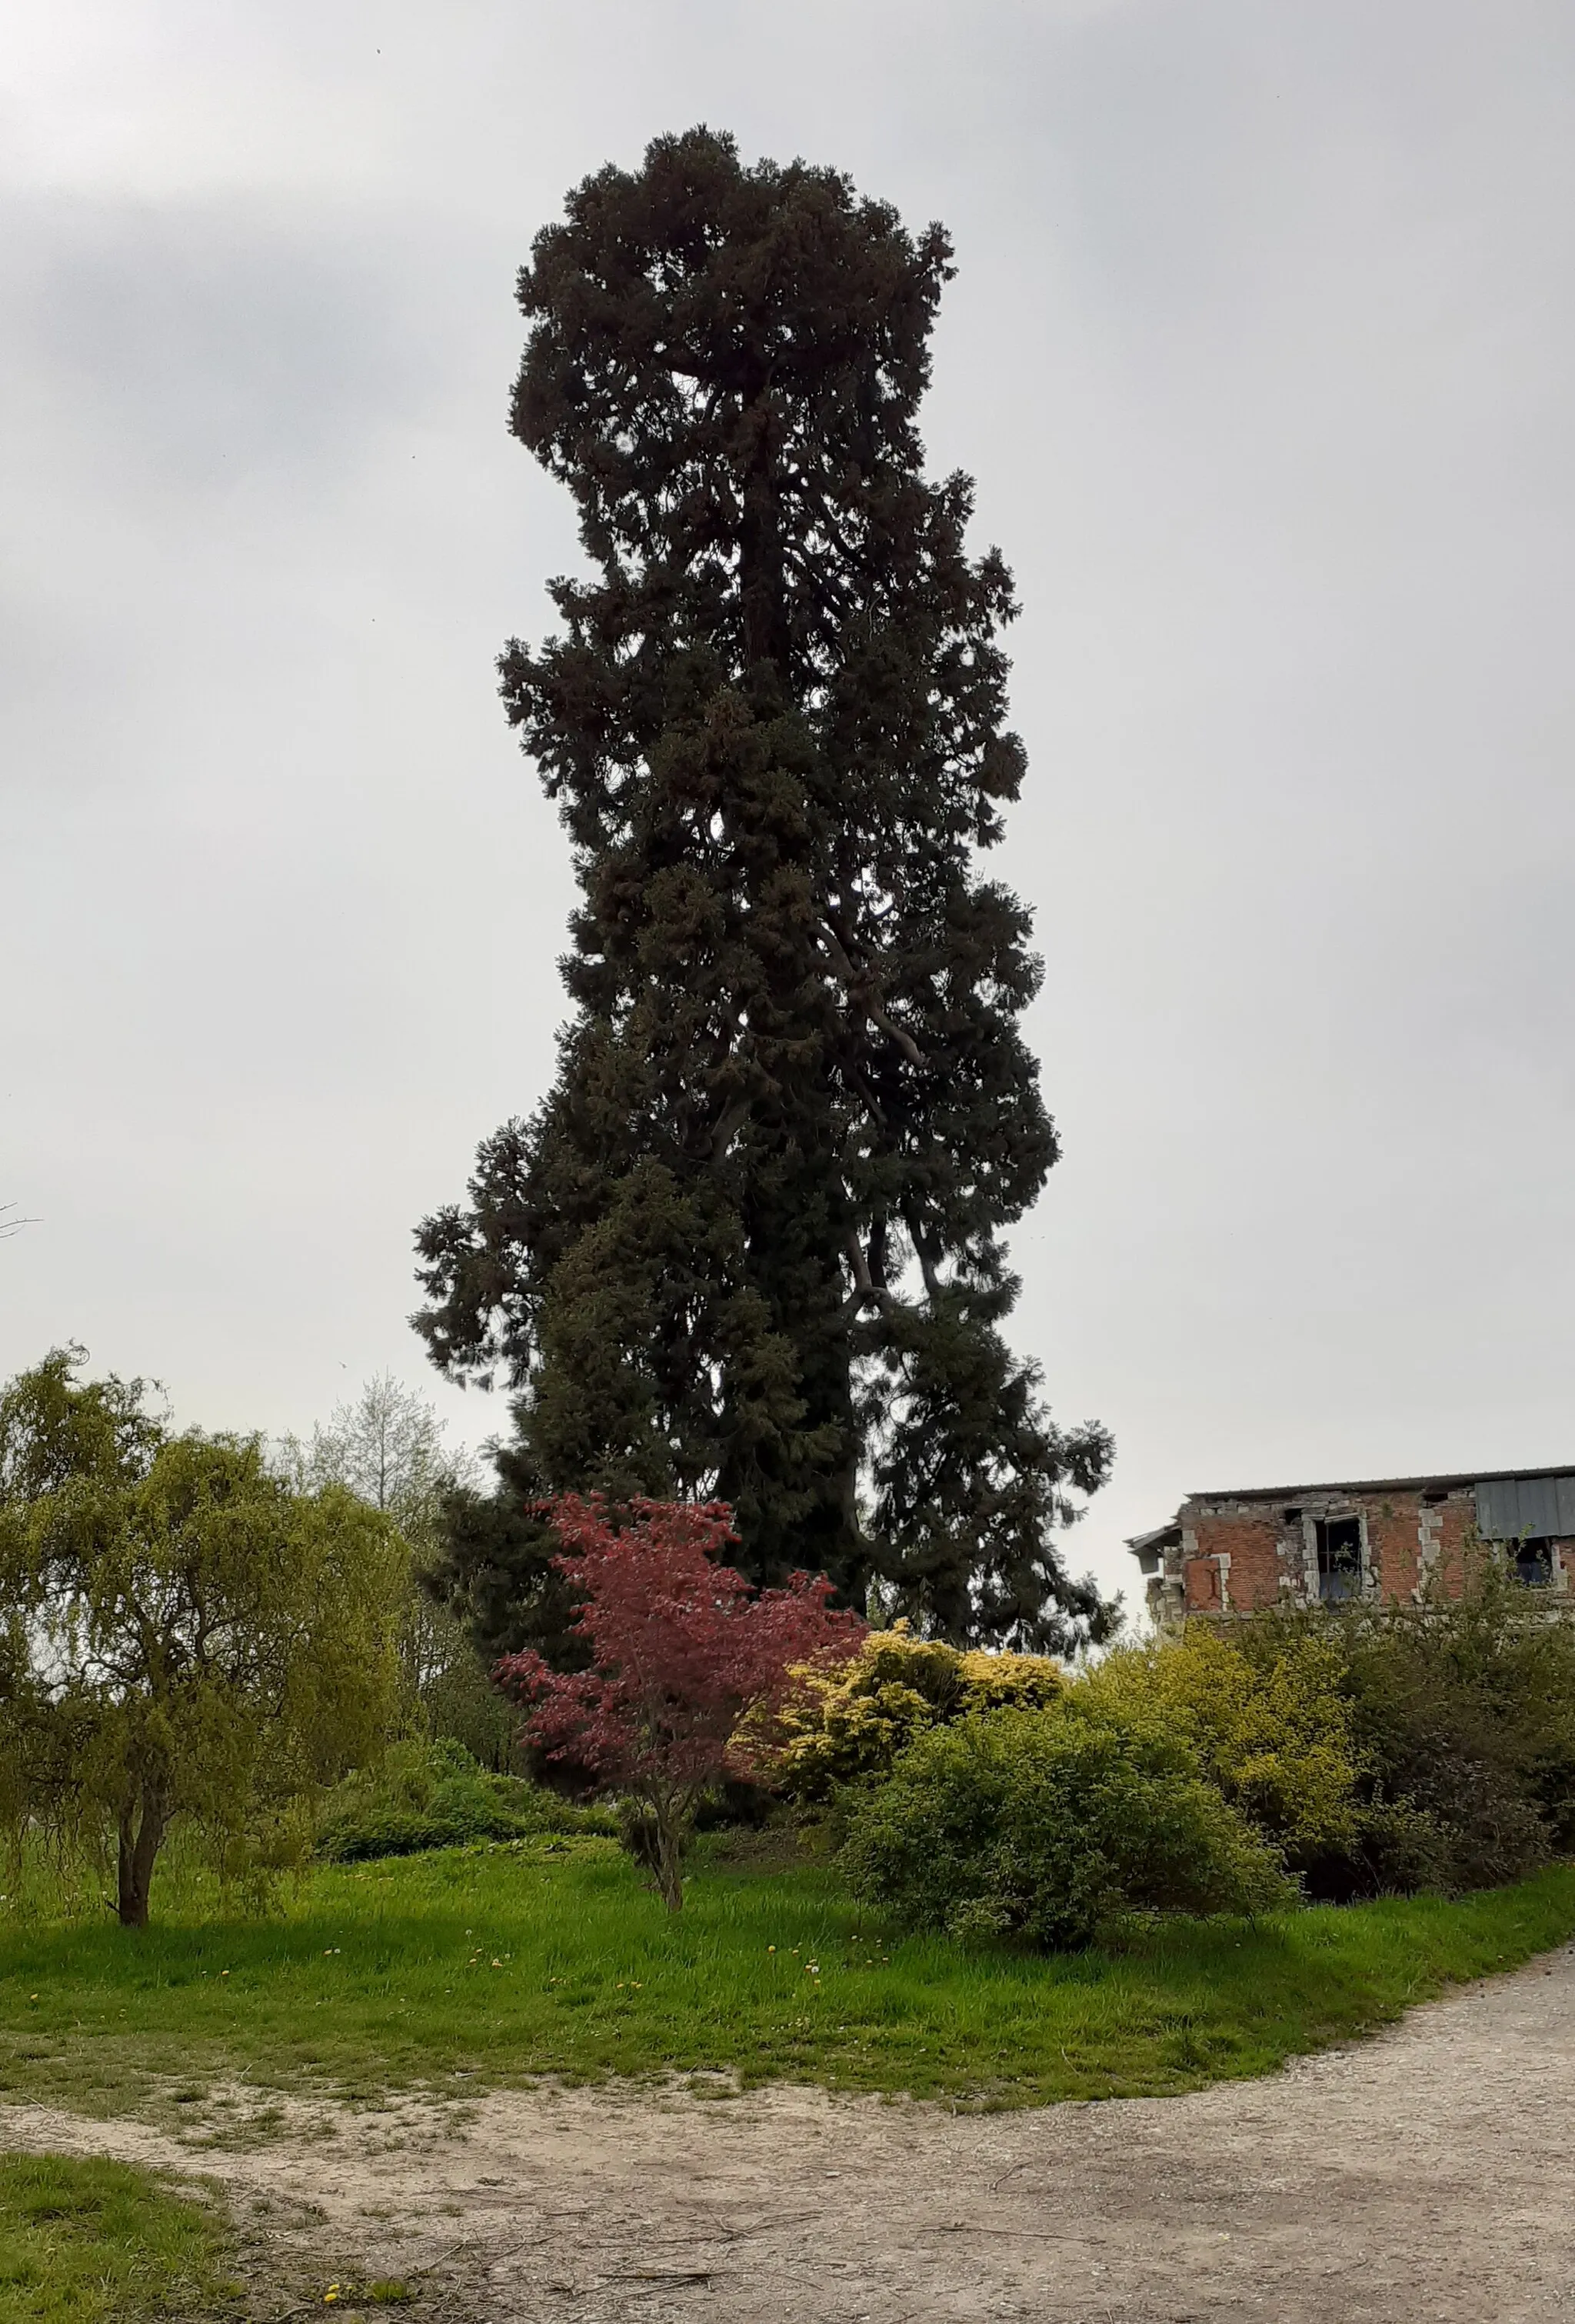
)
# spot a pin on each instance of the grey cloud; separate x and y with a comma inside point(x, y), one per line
point(200, 342)
point(1261, 352)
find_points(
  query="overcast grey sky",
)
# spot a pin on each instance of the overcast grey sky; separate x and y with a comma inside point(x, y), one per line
point(1260, 351)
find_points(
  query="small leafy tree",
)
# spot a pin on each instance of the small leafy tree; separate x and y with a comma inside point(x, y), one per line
point(682, 1649)
point(387, 1447)
point(181, 1633)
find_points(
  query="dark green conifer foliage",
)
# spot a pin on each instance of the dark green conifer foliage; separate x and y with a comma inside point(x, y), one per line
point(749, 1246)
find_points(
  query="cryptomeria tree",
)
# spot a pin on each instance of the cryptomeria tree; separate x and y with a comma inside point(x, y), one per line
point(750, 1245)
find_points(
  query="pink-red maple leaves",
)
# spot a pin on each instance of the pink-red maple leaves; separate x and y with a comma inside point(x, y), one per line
point(682, 1647)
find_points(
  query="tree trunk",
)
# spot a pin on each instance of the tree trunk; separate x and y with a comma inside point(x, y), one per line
point(668, 1866)
point(140, 1842)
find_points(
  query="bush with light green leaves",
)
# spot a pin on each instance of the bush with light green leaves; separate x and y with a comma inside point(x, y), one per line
point(1046, 1827)
point(1271, 1729)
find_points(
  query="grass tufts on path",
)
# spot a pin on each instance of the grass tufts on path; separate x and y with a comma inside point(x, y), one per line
point(471, 1968)
point(81, 2241)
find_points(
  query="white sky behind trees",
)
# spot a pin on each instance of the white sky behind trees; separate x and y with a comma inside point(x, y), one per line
point(1260, 352)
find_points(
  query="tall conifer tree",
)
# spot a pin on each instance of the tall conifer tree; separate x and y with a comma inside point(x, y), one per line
point(749, 1247)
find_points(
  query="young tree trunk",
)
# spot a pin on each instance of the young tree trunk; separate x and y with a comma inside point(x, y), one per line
point(668, 1866)
point(140, 1842)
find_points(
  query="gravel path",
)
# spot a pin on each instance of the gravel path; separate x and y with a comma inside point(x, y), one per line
point(1427, 2174)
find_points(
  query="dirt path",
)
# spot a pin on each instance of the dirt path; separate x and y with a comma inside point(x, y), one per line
point(1429, 2174)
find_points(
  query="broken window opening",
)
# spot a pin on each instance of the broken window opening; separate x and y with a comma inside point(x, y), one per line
point(1339, 1557)
point(1534, 1563)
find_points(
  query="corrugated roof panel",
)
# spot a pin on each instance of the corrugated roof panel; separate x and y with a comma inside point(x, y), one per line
point(1451, 1480)
point(1511, 1508)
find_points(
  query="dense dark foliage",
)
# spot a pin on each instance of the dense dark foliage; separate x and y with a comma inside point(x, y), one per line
point(1461, 1713)
point(749, 1247)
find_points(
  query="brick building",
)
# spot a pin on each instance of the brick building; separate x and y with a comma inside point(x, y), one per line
point(1273, 1544)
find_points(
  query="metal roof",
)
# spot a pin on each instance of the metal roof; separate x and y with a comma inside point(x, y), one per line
point(1148, 1547)
point(1387, 1484)
point(1502, 1514)
point(1153, 1538)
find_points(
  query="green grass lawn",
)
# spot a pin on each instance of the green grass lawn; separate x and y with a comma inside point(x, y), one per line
point(85, 2240)
point(468, 1967)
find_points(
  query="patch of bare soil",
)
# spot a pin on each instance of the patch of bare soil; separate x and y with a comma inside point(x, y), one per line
point(1427, 2174)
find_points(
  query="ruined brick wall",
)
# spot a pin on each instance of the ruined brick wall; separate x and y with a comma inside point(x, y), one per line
point(1230, 1557)
point(1418, 1538)
point(1240, 1557)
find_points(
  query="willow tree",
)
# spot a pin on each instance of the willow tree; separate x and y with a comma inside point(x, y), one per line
point(183, 1639)
point(749, 1246)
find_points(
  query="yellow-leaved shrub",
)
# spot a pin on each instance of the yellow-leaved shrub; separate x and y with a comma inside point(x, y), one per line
point(1273, 1733)
point(848, 1725)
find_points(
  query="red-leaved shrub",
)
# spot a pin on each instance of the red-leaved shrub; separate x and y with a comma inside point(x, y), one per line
point(682, 1647)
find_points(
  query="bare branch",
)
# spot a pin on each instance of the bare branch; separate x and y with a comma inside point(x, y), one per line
point(927, 1264)
point(864, 987)
point(866, 1291)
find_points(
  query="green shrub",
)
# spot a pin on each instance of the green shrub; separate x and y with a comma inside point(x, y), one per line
point(425, 1795)
point(1044, 1825)
point(1464, 1711)
point(1461, 1714)
point(1273, 1732)
point(848, 1725)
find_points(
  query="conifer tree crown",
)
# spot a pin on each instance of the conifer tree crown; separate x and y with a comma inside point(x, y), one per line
point(749, 1246)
